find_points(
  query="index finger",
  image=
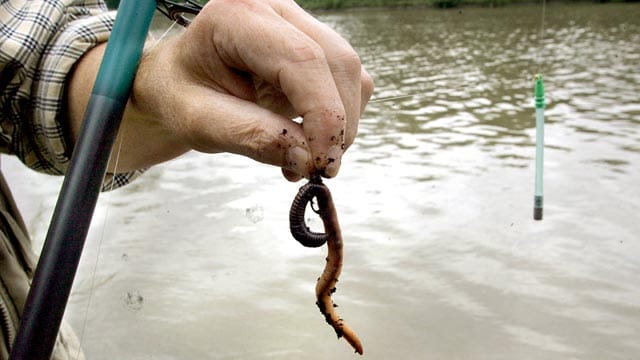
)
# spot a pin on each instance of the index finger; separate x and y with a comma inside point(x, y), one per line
point(353, 82)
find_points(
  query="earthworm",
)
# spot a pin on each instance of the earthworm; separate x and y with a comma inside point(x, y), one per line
point(326, 285)
point(297, 225)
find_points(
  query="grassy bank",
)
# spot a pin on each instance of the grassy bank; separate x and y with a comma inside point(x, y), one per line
point(342, 4)
point(339, 4)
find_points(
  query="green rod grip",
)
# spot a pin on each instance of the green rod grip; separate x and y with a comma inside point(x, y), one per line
point(124, 50)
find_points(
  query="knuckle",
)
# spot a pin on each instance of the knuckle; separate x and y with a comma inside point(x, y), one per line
point(349, 61)
point(344, 59)
point(303, 51)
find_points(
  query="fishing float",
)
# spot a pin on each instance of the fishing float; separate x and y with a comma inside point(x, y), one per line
point(538, 197)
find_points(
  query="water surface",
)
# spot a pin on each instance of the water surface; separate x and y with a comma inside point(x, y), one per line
point(443, 260)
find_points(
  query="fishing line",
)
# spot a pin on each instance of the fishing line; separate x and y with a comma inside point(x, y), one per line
point(178, 13)
point(100, 241)
point(164, 34)
point(390, 98)
point(541, 37)
point(122, 131)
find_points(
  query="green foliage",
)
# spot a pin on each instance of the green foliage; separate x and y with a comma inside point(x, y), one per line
point(445, 3)
point(339, 4)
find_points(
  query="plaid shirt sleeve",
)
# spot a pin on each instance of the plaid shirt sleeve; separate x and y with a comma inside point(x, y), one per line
point(40, 41)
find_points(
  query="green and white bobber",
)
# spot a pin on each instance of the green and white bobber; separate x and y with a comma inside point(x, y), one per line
point(538, 198)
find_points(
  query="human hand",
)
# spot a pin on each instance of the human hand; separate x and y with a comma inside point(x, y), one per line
point(239, 74)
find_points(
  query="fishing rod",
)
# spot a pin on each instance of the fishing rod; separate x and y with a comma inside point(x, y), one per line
point(58, 263)
point(53, 278)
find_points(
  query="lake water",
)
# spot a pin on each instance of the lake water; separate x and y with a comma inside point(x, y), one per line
point(442, 257)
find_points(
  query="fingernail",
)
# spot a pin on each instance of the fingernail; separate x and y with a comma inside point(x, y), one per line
point(298, 160)
point(334, 159)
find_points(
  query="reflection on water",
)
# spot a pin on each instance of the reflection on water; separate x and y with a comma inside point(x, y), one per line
point(443, 259)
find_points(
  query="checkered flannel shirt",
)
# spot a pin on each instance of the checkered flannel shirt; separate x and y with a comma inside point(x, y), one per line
point(40, 41)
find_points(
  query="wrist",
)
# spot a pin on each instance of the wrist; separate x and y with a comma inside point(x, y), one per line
point(148, 127)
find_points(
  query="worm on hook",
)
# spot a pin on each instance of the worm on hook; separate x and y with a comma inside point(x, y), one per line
point(326, 285)
point(297, 224)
